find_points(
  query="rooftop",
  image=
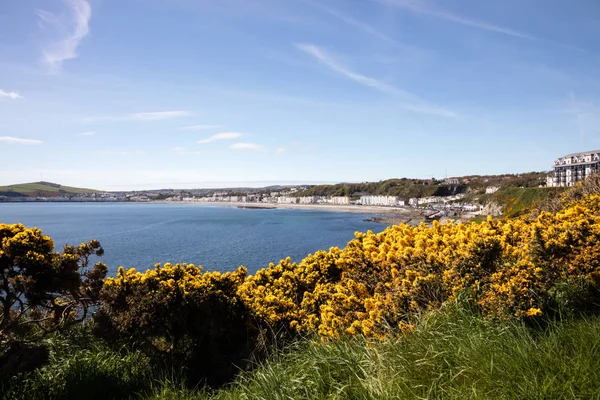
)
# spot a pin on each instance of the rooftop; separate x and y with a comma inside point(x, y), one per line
point(581, 153)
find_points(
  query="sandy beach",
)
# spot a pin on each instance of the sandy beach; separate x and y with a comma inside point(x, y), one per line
point(385, 215)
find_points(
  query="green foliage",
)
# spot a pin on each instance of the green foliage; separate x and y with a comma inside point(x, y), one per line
point(408, 188)
point(40, 290)
point(45, 189)
point(181, 316)
point(519, 201)
point(393, 187)
point(452, 354)
point(81, 367)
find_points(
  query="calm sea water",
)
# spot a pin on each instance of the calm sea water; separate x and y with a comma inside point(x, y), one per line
point(218, 238)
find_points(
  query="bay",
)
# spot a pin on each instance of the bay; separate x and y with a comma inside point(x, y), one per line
point(138, 235)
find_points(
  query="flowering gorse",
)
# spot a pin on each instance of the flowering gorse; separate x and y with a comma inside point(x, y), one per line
point(379, 282)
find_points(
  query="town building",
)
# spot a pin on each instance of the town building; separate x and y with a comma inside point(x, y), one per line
point(452, 181)
point(287, 200)
point(339, 200)
point(572, 168)
point(308, 199)
point(381, 201)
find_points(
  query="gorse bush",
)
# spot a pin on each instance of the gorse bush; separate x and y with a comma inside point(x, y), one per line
point(181, 316)
point(41, 289)
point(380, 282)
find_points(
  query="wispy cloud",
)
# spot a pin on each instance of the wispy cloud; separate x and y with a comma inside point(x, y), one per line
point(91, 133)
point(246, 147)
point(14, 140)
point(425, 8)
point(199, 127)
point(279, 150)
point(10, 95)
point(221, 136)
point(586, 115)
point(186, 151)
point(409, 101)
point(160, 115)
point(144, 116)
point(123, 153)
point(73, 30)
point(353, 22)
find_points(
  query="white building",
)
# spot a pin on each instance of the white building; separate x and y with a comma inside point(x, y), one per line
point(381, 201)
point(572, 168)
point(491, 189)
point(429, 200)
point(452, 181)
point(308, 199)
point(339, 200)
point(287, 200)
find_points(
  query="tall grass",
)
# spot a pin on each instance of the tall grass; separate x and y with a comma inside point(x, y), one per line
point(81, 367)
point(451, 354)
point(448, 356)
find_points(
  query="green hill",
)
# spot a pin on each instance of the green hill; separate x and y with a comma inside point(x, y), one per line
point(42, 189)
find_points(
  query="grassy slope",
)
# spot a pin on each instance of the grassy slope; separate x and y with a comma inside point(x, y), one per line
point(451, 355)
point(515, 201)
point(43, 189)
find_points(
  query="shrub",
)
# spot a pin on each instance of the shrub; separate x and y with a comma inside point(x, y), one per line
point(182, 316)
point(41, 291)
point(511, 268)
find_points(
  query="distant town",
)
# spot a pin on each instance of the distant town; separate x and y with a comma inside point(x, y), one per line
point(449, 196)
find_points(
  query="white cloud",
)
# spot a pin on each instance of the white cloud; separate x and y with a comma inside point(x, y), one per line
point(279, 150)
point(123, 153)
point(73, 30)
point(144, 116)
point(221, 136)
point(91, 133)
point(422, 7)
point(10, 95)
point(14, 140)
point(246, 147)
point(199, 127)
point(409, 101)
point(353, 22)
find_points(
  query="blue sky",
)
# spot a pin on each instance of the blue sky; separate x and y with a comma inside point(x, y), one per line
point(134, 94)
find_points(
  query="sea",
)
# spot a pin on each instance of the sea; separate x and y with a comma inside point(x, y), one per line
point(220, 238)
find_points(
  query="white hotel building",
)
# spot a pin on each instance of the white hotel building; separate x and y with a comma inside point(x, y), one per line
point(572, 168)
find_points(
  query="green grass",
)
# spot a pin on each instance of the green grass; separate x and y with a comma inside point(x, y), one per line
point(82, 367)
point(42, 189)
point(451, 355)
point(516, 201)
point(455, 356)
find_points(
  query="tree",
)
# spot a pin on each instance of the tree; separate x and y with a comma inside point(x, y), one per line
point(41, 290)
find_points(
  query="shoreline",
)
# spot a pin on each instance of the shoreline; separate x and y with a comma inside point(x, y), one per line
point(378, 214)
point(321, 207)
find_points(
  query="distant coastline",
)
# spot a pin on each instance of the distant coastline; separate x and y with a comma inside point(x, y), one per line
point(389, 215)
point(379, 214)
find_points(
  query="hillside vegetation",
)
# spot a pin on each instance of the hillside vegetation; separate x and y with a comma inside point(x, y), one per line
point(41, 189)
point(501, 309)
point(408, 188)
point(517, 201)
